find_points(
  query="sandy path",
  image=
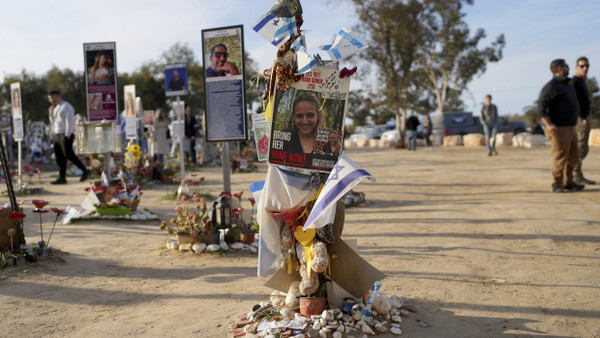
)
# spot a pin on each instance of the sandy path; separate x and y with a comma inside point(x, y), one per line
point(477, 244)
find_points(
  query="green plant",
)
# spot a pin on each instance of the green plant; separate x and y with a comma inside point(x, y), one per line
point(191, 222)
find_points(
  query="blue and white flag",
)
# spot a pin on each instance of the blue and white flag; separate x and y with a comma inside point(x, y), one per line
point(345, 44)
point(256, 189)
point(305, 61)
point(344, 176)
point(274, 29)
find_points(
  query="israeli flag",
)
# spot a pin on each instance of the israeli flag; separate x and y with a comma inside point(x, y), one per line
point(305, 61)
point(344, 176)
point(274, 29)
point(345, 45)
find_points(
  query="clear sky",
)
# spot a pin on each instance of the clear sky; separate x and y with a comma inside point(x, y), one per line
point(38, 34)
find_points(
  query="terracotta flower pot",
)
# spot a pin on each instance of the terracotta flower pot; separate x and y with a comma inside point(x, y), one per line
point(312, 306)
point(247, 238)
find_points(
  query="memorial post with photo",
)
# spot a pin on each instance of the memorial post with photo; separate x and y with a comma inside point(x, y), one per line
point(223, 59)
point(101, 81)
point(308, 121)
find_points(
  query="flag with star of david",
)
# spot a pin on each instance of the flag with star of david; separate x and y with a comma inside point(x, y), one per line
point(346, 43)
point(344, 176)
point(276, 30)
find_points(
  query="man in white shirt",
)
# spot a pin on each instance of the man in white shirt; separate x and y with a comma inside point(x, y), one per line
point(63, 127)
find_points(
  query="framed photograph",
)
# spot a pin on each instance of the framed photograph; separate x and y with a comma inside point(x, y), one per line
point(307, 128)
point(176, 81)
point(223, 59)
point(101, 81)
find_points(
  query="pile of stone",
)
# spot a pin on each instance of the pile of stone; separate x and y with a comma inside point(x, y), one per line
point(273, 319)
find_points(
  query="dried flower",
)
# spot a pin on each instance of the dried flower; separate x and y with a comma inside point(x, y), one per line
point(16, 216)
point(40, 203)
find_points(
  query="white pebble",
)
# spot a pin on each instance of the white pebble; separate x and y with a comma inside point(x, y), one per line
point(253, 249)
point(397, 319)
point(213, 248)
point(396, 330)
point(237, 246)
point(224, 246)
point(367, 329)
point(337, 334)
point(199, 247)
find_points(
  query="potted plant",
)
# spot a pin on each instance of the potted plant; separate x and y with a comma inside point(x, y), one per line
point(192, 226)
point(246, 231)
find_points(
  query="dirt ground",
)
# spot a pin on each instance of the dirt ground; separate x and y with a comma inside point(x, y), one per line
point(477, 244)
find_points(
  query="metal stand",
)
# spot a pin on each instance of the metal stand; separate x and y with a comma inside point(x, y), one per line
point(180, 119)
point(226, 167)
point(11, 192)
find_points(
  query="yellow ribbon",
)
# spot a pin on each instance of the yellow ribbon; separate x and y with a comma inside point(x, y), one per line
point(255, 79)
point(305, 212)
point(289, 263)
point(306, 239)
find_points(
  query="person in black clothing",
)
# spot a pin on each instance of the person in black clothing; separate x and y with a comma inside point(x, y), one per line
point(189, 139)
point(412, 122)
point(427, 129)
point(558, 108)
point(176, 82)
point(583, 125)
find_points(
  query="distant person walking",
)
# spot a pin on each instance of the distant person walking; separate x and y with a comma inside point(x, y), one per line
point(161, 143)
point(412, 122)
point(558, 108)
point(189, 140)
point(427, 129)
point(489, 121)
point(63, 126)
point(583, 124)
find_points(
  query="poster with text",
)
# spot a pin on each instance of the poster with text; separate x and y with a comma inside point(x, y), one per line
point(223, 59)
point(101, 81)
point(262, 132)
point(17, 111)
point(176, 80)
point(308, 121)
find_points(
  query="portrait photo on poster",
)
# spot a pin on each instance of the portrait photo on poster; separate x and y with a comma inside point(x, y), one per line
point(16, 102)
point(176, 80)
point(223, 55)
point(129, 100)
point(100, 67)
point(308, 121)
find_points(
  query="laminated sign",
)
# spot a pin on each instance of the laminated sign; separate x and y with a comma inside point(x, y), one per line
point(308, 121)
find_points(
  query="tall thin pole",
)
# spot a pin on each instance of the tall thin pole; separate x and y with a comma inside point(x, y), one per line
point(182, 125)
point(226, 167)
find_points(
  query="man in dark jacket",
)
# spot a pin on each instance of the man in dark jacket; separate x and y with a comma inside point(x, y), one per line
point(489, 121)
point(189, 141)
point(558, 108)
point(412, 122)
point(583, 125)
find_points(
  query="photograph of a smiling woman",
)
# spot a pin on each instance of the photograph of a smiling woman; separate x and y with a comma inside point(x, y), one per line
point(304, 121)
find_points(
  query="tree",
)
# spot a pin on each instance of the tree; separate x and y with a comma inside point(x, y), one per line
point(450, 56)
point(395, 33)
